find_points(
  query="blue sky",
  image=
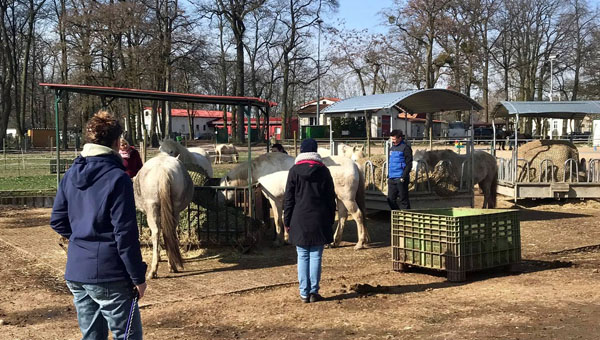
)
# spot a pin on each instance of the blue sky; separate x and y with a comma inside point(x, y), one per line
point(361, 14)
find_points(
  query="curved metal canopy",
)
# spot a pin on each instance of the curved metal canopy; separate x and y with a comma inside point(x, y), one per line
point(559, 110)
point(412, 101)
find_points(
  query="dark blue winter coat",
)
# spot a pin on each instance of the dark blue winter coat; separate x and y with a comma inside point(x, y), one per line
point(400, 161)
point(95, 209)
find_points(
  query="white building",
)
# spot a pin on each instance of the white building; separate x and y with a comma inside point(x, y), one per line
point(307, 114)
point(556, 126)
point(180, 124)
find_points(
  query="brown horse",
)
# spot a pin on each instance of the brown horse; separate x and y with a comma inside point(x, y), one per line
point(485, 169)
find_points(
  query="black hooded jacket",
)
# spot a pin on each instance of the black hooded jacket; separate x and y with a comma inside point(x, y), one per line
point(309, 204)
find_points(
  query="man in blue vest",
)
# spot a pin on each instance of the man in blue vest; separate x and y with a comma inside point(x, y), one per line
point(400, 162)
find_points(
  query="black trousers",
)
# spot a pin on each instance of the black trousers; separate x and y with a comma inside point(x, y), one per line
point(397, 189)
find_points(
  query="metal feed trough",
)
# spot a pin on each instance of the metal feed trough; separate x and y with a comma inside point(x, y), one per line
point(237, 223)
point(412, 101)
point(518, 179)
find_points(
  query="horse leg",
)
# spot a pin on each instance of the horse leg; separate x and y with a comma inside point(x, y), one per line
point(153, 220)
point(357, 215)
point(282, 236)
point(342, 216)
point(486, 194)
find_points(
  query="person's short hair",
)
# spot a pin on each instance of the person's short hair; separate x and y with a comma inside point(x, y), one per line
point(278, 146)
point(103, 129)
point(396, 133)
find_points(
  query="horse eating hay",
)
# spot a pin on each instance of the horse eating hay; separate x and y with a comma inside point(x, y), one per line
point(485, 169)
point(163, 188)
point(270, 170)
point(193, 161)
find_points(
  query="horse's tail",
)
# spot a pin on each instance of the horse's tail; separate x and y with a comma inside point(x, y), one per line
point(493, 191)
point(169, 221)
point(361, 200)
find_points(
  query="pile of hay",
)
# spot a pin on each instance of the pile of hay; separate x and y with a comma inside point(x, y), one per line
point(537, 151)
point(444, 181)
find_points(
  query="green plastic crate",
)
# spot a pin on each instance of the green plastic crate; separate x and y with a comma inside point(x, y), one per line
point(457, 240)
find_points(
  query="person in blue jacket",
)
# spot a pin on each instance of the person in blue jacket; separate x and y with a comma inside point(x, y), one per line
point(399, 164)
point(95, 209)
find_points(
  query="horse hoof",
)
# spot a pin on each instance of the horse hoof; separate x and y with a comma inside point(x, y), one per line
point(152, 276)
point(359, 246)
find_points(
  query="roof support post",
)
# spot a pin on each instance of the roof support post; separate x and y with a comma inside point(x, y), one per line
point(268, 118)
point(493, 138)
point(368, 117)
point(247, 112)
point(472, 148)
point(57, 98)
point(516, 156)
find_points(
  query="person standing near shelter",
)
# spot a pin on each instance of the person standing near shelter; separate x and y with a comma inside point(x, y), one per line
point(94, 208)
point(309, 213)
point(399, 164)
point(131, 158)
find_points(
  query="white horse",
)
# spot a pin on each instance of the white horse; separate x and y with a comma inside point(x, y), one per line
point(226, 149)
point(163, 188)
point(355, 152)
point(191, 158)
point(271, 173)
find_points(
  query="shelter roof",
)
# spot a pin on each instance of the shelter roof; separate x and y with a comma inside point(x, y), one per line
point(195, 113)
point(415, 117)
point(314, 102)
point(117, 92)
point(412, 101)
point(272, 121)
point(560, 110)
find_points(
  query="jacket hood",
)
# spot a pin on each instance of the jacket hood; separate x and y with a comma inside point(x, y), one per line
point(95, 161)
point(312, 162)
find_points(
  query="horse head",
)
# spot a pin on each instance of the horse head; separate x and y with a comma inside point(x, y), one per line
point(358, 152)
point(419, 156)
point(169, 147)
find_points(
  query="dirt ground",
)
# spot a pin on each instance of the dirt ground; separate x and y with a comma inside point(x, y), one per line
point(552, 294)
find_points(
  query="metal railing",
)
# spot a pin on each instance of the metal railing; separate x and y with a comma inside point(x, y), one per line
point(369, 171)
point(549, 167)
point(593, 172)
point(569, 165)
point(548, 171)
point(422, 168)
point(223, 215)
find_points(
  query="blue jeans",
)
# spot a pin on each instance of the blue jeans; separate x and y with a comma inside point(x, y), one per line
point(309, 269)
point(104, 306)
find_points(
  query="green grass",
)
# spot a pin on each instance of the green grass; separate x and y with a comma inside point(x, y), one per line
point(29, 173)
point(33, 183)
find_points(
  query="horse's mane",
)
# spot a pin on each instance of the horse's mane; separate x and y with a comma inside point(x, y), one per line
point(184, 155)
point(241, 171)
